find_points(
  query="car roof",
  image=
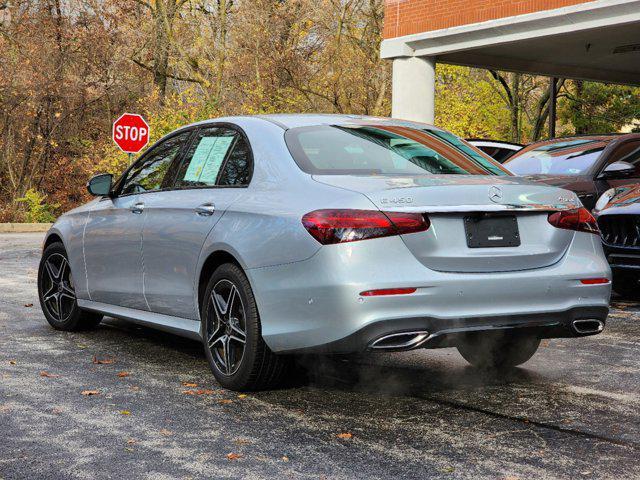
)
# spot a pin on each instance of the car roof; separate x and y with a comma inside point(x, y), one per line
point(590, 141)
point(596, 137)
point(294, 120)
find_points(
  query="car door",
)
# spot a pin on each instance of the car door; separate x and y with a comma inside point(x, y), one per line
point(213, 172)
point(629, 152)
point(113, 233)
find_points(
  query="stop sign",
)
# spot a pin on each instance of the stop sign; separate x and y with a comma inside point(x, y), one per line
point(131, 132)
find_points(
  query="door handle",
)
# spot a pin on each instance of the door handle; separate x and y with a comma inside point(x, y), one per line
point(206, 209)
point(137, 208)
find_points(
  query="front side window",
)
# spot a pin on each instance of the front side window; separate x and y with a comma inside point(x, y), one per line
point(217, 156)
point(384, 150)
point(573, 157)
point(150, 173)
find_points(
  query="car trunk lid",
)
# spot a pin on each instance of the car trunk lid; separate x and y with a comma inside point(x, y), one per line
point(451, 200)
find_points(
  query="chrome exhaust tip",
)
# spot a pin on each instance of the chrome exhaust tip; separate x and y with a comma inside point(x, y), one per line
point(400, 341)
point(587, 326)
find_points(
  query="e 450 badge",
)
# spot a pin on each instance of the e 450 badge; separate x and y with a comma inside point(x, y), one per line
point(396, 200)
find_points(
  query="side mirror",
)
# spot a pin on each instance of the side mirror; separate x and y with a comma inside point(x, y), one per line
point(618, 170)
point(100, 185)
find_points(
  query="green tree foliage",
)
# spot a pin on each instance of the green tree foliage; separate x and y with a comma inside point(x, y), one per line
point(467, 104)
point(591, 107)
point(37, 210)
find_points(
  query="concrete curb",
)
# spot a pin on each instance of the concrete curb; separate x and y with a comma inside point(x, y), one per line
point(24, 227)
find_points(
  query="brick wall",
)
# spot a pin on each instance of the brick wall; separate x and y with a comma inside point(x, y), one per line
point(404, 17)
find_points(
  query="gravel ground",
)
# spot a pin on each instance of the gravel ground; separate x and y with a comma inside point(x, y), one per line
point(571, 412)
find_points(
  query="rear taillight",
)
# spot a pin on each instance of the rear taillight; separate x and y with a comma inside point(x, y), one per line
point(578, 219)
point(388, 291)
point(339, 226)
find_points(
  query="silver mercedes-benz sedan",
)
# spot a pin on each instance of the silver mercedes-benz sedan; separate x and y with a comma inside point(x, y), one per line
point(271, 235)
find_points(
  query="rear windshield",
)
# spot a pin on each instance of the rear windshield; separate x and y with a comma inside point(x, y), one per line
point(385, 150)
point(574, 157)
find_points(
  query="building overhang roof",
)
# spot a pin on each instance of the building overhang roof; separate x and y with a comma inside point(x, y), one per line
point(597, 40)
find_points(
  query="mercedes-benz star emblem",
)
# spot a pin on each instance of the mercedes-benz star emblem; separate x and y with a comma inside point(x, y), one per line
point(495, 194)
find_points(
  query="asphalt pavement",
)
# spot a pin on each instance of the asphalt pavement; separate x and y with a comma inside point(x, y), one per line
point(151, 409)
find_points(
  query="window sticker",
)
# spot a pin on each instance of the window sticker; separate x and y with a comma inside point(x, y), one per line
point(207, 159)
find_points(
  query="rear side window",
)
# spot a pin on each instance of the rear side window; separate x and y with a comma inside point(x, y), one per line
point(216, 156)
point(383, 150)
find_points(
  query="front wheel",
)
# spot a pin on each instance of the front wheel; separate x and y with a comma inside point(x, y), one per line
point(238, 356)
point(498, 351)
point(57, 293)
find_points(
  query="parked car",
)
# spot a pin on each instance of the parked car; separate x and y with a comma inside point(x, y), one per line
point(496, 149)
point(588, 165)
point(271, 235)
point(618, 214)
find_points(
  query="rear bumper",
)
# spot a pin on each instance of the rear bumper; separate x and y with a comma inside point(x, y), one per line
point(315, 305)
point(451, 332)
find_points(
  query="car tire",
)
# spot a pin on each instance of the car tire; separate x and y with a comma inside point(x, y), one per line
point(498, 351)
point(57, 294)
point(627, 285)
point(232, 336)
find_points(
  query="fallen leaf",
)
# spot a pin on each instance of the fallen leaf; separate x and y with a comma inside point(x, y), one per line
point(189, 384)
point(48, 375)
point(134, 388)
point(448, 469)
point(125, 412)
point(90, 392)
point(233, 456)
point(131, 441)
point(285, 458)
point(103, 361)
point(198, 392)
point(345, 435)
point(123, 374)
point(165, 432)
point(242, 395)
point(12, 362)
point(241, 441)
point(28, 305)
point(225, 401)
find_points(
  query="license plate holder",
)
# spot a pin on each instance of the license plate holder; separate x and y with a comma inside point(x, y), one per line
point(487, 231)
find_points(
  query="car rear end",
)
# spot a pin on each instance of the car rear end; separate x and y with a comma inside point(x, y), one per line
point(435, 258)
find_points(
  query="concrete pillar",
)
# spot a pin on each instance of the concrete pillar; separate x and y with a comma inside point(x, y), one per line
point(414, 89)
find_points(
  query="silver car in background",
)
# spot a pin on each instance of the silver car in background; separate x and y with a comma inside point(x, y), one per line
point(272, 235)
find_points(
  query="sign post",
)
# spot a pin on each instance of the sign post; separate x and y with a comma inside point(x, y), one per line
point(130, 133)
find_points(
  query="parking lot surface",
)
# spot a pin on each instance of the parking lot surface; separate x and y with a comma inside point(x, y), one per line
point(151, 408)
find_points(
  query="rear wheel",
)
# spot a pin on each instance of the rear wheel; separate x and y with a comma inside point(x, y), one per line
point(238, 356)
point(57, 293)
point(627, 284)
point(499, 351)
